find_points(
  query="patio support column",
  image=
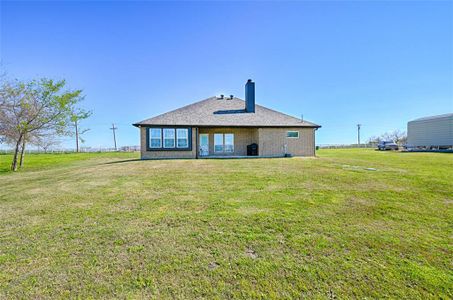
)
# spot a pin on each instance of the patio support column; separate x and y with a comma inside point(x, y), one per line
point(196, 142)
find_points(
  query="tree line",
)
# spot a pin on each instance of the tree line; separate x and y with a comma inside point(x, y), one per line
point(36, 112)
point(398, 136)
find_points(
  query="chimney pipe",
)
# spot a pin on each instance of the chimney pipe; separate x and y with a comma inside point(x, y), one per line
point(250, 96)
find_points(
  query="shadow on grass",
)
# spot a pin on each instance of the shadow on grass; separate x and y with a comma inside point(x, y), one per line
point(416, 151)
point(121, 161)
point(429, 151)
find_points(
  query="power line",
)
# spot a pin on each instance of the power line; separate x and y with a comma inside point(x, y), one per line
point(114, 136)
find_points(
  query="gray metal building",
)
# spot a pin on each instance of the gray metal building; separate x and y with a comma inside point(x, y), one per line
point(435, 132)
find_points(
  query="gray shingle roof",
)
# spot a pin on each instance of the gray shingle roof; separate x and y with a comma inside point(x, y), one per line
point(224, 112)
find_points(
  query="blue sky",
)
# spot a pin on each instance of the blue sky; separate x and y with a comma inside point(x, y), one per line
point(338, 63)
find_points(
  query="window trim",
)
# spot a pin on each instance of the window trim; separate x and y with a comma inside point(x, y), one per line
point(223, 142)
point(150, 137)
point(292, 137)
point(177, 137)
point(162, 148)
point(163, 138)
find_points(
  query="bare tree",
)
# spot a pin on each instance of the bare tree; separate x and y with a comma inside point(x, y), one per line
point(12, 97)
point(374, 139)
point(22, 151)
point(397, 136)
point(29, 108)
point(45, 141)
point(2, 120)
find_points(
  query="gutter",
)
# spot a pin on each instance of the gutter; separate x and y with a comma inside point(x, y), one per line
point(228, 126)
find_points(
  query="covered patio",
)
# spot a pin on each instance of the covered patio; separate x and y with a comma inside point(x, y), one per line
point(220, 142)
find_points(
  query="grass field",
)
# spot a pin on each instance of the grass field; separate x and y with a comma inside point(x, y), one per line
point(109, 226)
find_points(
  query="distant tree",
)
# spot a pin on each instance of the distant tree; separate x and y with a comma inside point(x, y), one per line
point(374, 139)
point(30, 108)
point(398, 136)
point(45, 141)
point(78, 115)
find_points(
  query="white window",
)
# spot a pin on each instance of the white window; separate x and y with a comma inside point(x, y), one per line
point(218, 142)
point(228, 142)
point(182, 138)
point(155, 136)
point(224, 142)
point(292, 134)
point(169, 137)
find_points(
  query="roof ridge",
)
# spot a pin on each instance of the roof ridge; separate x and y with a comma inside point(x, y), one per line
point(176, 109)
point(276, 111)
point(225, 112)
point(273, 110)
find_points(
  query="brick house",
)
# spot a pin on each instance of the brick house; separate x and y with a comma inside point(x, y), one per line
point(220, 127)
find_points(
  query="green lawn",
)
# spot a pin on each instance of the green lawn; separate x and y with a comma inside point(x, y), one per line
point(108, 226)
point(45, 161)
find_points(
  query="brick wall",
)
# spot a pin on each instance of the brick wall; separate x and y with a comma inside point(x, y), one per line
point(166, 154)
point(272, 142)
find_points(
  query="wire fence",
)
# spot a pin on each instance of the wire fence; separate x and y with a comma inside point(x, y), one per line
point(72, 150)
point(347, 146)
point(137, 148)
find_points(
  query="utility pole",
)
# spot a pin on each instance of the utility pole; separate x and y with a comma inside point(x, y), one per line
point(358, 134)
point(114, 137)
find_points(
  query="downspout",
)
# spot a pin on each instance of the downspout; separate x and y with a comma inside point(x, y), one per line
point(196, 143)
point(314, 142)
